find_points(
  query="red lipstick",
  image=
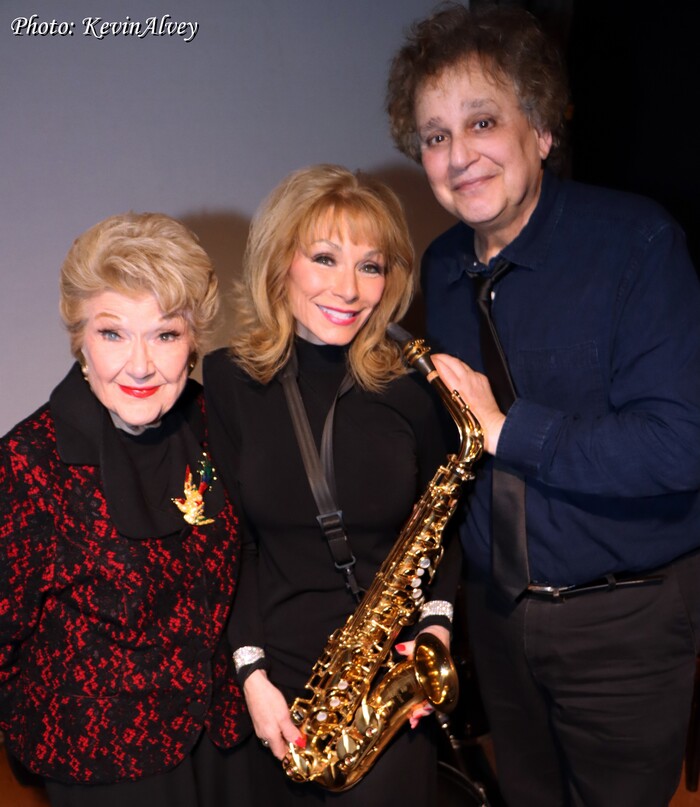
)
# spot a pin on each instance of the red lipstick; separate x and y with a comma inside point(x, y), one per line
point(138, 392)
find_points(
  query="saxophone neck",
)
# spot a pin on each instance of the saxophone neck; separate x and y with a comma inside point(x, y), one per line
point(417, 354)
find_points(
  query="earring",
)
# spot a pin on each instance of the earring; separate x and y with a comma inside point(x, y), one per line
point(192, 363)
point(83, 364)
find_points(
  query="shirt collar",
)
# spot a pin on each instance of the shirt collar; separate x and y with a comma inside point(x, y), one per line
point(462, 262)
point(529, 249)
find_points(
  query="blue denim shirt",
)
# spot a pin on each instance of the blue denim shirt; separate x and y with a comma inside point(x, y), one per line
point(600, 322)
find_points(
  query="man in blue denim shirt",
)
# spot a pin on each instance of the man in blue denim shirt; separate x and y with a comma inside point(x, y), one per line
point(587, 675)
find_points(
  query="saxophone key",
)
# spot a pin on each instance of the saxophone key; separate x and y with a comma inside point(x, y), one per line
point(297, 764)
point(367, 720)
point(346, 746)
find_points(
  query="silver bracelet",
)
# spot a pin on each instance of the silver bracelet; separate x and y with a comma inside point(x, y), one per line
point(437, 608)
point(247, 655)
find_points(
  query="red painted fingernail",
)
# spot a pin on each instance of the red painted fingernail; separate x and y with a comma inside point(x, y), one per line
point(400, 647)
point(300, 741)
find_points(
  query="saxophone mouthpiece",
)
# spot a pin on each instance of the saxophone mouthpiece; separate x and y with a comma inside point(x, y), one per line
point(416, 352)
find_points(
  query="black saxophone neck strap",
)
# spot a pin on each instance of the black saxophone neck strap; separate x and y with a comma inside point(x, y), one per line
point(321, 474)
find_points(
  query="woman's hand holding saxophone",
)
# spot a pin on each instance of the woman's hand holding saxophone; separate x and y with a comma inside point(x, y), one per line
point(406, 649)
point(270, 714)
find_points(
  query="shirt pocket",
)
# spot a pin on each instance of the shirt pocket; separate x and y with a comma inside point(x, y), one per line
point(565, 378)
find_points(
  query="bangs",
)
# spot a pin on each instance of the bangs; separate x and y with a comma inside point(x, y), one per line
point(135, 276)
point(351, 219)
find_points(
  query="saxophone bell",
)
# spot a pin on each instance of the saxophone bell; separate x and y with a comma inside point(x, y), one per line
point(436, 672)
point(429, 675)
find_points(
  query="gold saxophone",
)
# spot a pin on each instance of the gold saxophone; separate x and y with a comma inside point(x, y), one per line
point(346, 725)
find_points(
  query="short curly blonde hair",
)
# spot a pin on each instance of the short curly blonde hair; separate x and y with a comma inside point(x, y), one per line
point(137, 253)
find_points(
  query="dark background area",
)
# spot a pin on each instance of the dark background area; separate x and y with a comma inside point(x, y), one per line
point(634, 69)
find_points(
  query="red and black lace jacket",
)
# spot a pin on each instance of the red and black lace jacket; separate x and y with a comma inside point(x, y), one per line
point(113, 658)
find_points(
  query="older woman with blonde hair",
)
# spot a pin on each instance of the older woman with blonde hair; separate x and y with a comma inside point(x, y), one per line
point(118, 545)
point(328, 265)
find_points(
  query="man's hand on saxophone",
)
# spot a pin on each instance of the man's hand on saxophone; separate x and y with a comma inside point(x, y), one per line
point(475, 391)
point(406, 649)
point(270, 714)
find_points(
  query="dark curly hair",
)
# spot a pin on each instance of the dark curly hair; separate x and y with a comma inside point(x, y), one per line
point(510, 46)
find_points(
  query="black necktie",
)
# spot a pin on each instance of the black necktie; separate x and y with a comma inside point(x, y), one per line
point(509, 563)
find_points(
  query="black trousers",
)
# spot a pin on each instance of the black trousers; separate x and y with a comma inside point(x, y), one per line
point(588, 699)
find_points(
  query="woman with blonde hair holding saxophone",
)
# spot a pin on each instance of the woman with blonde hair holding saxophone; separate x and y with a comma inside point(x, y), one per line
point(328, 266)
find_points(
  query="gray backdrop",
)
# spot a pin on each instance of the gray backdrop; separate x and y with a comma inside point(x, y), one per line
point(200, 130)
